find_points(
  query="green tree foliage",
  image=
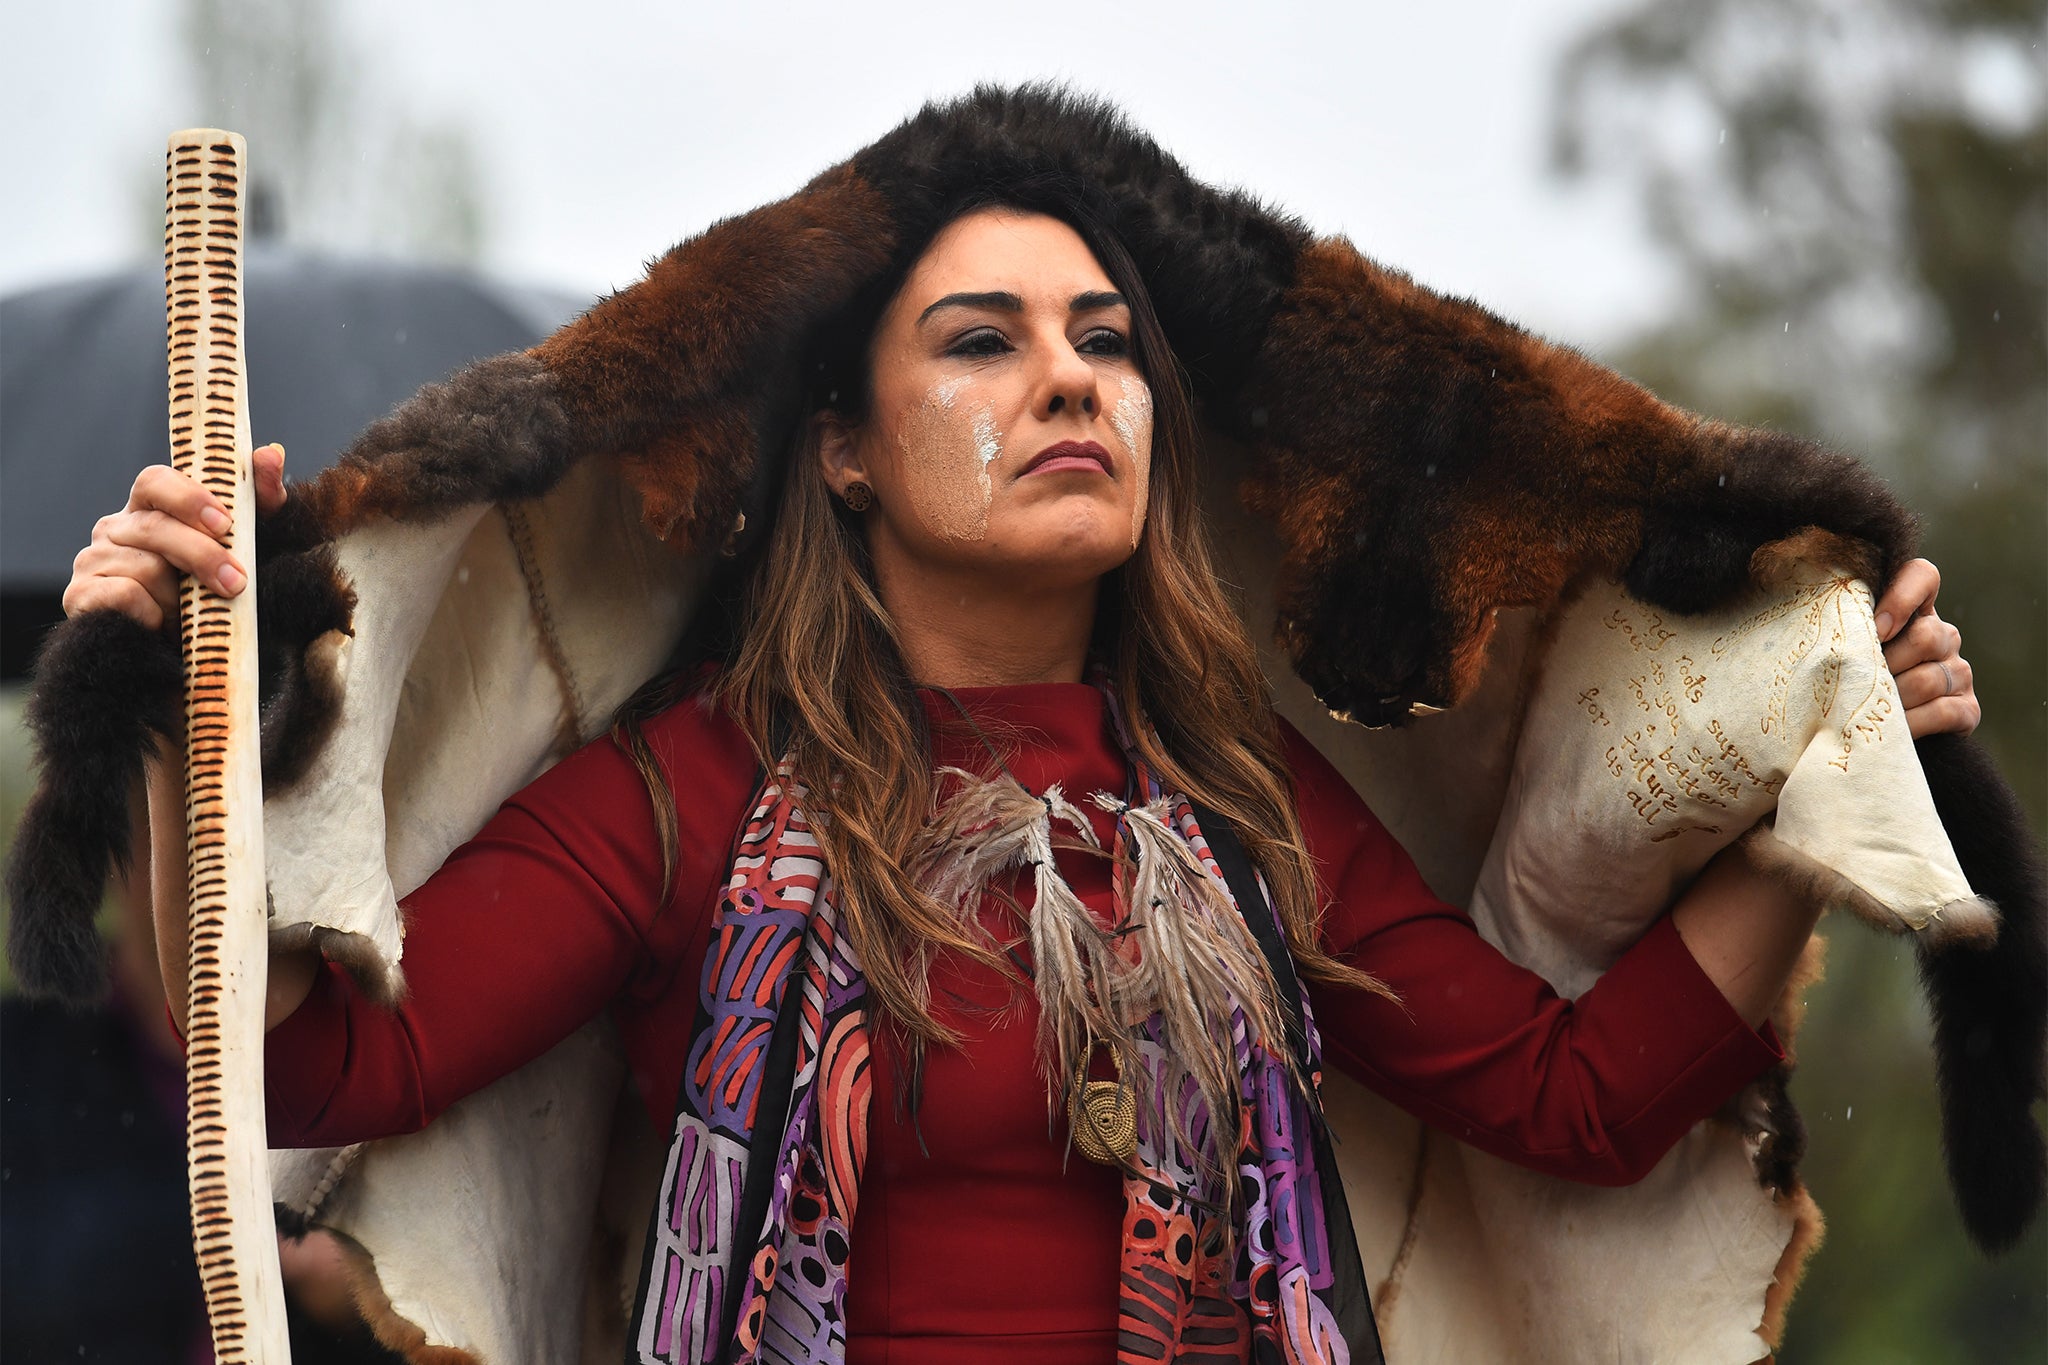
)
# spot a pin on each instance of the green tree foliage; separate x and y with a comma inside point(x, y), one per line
point(1854, 201)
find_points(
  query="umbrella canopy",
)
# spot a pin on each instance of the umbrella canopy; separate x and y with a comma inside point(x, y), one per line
point(333, 345)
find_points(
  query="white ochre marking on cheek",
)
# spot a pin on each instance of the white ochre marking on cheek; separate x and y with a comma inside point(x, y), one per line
point(988, 445)
point(1132, 419)
point(947, 455)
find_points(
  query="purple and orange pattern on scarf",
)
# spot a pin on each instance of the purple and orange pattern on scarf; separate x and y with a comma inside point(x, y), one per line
point(1176, 1301)
point(747, 1257)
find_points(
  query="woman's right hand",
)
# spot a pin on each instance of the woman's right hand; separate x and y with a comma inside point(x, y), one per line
point(171, 526)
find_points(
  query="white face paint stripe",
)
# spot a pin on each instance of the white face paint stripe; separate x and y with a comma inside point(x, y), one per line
point(988, 445)
point(950, 485)
point(1132, 411)
point(1132, 419)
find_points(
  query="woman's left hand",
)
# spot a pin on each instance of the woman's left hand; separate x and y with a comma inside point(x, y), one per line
point(1925, 655)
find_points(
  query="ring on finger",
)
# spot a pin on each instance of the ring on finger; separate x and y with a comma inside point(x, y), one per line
point(1948, 679)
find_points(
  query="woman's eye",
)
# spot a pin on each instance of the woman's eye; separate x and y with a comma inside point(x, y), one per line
point(1104, 341)
point(981, 341)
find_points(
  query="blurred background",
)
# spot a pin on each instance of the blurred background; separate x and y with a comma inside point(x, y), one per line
point(1829, 216)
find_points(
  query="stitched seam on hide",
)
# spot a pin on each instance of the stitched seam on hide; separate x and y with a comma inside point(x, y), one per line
point(519, 530)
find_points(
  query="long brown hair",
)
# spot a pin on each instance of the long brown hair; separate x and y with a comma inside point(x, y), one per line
point(814, 671)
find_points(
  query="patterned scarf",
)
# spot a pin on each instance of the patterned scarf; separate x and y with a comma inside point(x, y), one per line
point(751, 1234)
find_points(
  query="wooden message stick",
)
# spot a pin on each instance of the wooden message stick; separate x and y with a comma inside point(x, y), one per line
point(233, 1229)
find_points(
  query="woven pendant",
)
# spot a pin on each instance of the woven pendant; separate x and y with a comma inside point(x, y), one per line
point(1103, 1117)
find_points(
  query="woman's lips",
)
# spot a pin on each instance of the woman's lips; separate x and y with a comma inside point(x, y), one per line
point(1084, 455)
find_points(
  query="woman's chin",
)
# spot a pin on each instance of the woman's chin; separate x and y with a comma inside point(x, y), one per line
point(1059, 552)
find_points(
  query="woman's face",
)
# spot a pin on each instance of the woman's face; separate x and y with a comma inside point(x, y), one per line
point(1010, 430)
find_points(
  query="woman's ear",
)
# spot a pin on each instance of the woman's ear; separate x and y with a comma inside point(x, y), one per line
point(839, 451)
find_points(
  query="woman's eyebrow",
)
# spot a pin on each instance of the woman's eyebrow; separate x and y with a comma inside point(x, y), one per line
point(1091, 301)
point(998, 299)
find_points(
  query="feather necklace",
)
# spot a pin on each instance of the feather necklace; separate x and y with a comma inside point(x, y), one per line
point(1176, 948)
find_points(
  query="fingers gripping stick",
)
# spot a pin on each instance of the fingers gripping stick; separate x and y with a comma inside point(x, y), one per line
point(232, 1225)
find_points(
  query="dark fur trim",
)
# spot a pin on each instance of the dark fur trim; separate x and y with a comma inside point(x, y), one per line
point(689, 375)
point(376, 1335)
point(1764, 1109)
point(1778, 1161)
point(1783, 1142)
point(107, 691)
point(1990, 1005)
point(1427, 464)
point(290, 1222)
point(292, 529)
point(304, 607)
point(495, 430)
point(375, 976)
point(1700, 533)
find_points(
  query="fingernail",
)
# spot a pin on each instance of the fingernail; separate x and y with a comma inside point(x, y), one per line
point(231, 579)
point(1884, 625)
point(216, 520)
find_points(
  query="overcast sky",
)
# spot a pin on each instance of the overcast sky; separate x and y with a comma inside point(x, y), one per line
point(608, 130)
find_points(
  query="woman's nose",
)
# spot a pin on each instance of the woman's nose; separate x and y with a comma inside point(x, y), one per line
point(1069, 381)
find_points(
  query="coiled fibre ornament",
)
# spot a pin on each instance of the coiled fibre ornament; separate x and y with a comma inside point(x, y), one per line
point(1103, 1117)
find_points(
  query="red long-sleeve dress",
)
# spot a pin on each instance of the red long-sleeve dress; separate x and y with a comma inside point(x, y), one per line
point(975, 1240)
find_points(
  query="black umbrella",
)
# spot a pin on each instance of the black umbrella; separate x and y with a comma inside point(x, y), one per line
point(333, 345)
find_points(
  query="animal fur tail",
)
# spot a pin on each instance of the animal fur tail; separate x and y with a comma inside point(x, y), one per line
point(1990, 1005)
point(107, 693)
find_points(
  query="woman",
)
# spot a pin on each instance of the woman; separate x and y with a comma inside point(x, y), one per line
point(998, 499)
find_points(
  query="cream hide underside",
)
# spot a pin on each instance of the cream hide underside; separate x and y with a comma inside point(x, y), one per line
point(483, 1225)
point(1647, 744)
